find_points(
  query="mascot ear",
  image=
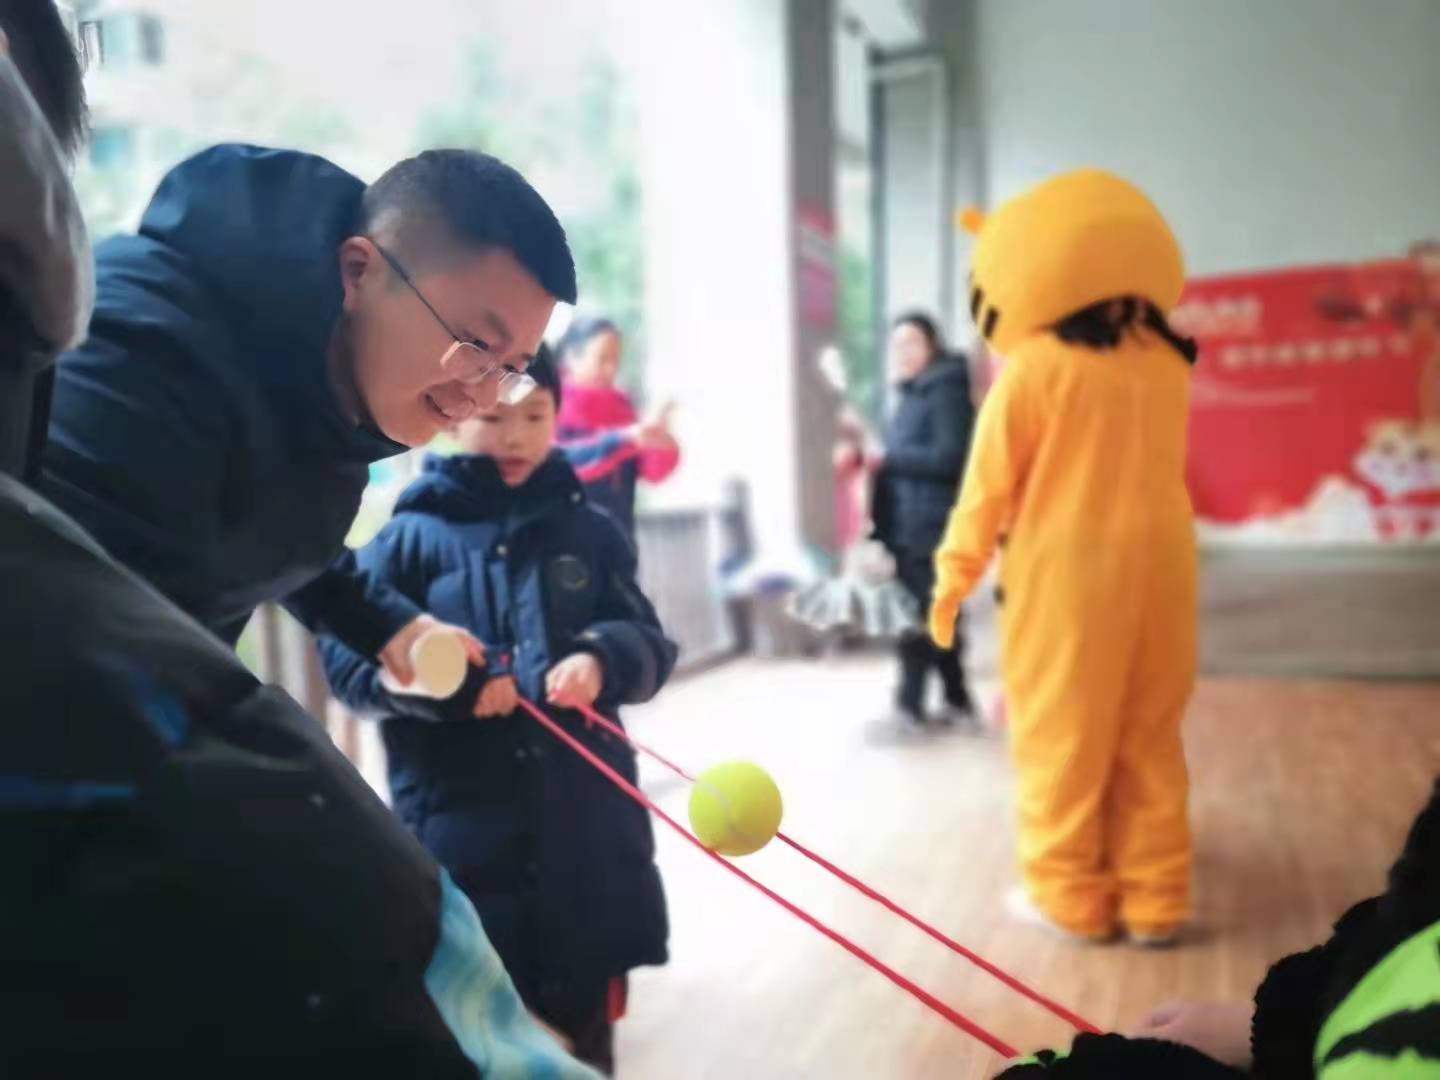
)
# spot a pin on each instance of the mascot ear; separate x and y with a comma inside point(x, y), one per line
point(971, 219)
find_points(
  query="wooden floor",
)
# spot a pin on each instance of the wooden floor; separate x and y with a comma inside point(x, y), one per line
point(1302, 793)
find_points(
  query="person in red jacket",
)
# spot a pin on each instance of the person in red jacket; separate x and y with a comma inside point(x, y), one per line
point(599, 430)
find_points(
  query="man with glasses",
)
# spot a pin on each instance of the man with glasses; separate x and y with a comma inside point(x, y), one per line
point(512, 386)
point(273, 328)
point(197, 882)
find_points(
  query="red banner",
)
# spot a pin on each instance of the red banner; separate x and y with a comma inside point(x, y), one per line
point(1316, 402)
point(815, 250)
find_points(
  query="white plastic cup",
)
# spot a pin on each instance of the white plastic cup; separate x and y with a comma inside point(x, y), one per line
point(440, 660)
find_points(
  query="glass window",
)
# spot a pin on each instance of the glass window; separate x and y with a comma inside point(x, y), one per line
point(111, 147)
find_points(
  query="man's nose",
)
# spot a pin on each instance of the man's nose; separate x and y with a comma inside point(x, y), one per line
point(456, 402)
point(484, 393)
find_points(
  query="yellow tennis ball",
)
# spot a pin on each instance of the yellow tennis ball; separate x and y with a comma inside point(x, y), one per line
point(735, 808)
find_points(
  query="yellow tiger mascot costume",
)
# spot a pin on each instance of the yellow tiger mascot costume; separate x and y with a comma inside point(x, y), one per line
point(1078, 461)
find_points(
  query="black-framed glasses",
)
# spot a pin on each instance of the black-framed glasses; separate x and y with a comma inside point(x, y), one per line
point(468, 361)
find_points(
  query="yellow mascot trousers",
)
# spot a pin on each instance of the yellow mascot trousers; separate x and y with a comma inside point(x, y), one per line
point(1079, 459)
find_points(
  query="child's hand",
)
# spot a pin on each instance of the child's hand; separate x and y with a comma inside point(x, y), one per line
point(499, 697)
point(575, 682)
point(653, 433)
point(1220, 1029)
point(652, 436)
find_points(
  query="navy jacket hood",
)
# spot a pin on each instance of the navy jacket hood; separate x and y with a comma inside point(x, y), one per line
point(195, 432)
point(468, 487)
point(262, 228)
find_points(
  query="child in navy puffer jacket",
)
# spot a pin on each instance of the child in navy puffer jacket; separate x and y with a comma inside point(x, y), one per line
point(560, 864)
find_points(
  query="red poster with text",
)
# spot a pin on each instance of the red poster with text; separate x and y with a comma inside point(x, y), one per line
point(815, 251)
point(1316, 403)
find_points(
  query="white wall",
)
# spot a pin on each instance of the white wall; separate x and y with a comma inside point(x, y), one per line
point(913, 200)
point(712, 90)
point(1272, 132)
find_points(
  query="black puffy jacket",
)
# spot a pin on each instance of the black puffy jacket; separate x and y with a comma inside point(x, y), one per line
point(197, 883)
point(194, 433)
point(926, 444)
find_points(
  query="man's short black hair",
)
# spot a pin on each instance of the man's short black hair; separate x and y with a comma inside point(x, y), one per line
point(546, 373)
point(441, 201)
point(44, 53)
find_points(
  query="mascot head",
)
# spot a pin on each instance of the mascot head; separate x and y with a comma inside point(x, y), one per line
point(1064, 245)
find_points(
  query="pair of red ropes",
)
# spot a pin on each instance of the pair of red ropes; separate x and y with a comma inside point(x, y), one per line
point(961, 1021)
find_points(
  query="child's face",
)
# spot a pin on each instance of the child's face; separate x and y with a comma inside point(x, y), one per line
point(597, 362)
point(518, 437)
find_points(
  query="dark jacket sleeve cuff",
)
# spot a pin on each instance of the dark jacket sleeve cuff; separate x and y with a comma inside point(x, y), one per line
point(1114, 1057)
point(390, 613)
point(1293, 1000)
point(458, 706)
point(632, 670)
point(362, 614)
point(378, 616)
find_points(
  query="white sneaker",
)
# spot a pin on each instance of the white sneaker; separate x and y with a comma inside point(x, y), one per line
point(1022, 909)
point(897, 728)
point(954, 718)
point(1166, 938)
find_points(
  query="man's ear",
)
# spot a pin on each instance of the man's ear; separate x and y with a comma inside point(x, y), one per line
point(4, 42)
point(359, 268)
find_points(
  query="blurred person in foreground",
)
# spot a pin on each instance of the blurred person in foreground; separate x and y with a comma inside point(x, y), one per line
point(198, 883)
point(923, 458)
point(1364, 1005)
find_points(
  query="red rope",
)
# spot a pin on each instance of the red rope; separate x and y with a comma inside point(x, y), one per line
point(950, 943)
point(961, 1021)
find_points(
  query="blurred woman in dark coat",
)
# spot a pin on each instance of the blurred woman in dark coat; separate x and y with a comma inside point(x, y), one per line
point(925, 446)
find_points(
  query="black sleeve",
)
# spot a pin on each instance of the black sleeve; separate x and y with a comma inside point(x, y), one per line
point(352, 605)
point(952, 415)
point(395, 562)
point(355, 682)
point(1114, 1057)
point(1293, 1000)
point(626, 637)
point(138, 454)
